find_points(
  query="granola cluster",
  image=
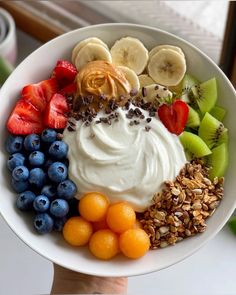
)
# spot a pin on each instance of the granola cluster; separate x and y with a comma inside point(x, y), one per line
point(183, 206)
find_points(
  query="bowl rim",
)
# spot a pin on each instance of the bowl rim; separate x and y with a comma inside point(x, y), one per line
point(210, 236)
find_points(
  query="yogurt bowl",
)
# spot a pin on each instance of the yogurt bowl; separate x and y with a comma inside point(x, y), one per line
point(37, 67)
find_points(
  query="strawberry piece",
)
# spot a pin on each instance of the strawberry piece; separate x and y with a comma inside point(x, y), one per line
point(39, 94)
point(49, 87)
point(55, 113)
point(69, 89)
point(34, 95)
point(64, 72)
point(25, 119)
point(175, 116)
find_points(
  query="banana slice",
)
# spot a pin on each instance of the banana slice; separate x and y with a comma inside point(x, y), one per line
point(130, 52)
point(145, 80)
point(159, 47)
point(167, 67)
point(131, 76)
point(154, 91)
point(91, 52)
point(81, 44)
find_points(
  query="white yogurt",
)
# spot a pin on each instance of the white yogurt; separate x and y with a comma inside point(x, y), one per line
point(122, 161)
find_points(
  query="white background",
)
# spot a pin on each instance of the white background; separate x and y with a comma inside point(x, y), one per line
point(210, 271)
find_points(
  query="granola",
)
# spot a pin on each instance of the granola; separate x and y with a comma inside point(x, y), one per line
point(181, 209)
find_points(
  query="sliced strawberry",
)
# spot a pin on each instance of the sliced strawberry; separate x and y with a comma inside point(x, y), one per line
point(34, 94)
point(49, 87)
point(56, 111)
point(175, 116)
point(69, 89)
point(64, 72)
point(25, 119)
point(39, 94)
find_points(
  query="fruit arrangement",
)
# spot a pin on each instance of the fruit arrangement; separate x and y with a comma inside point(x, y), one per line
point(101, 85)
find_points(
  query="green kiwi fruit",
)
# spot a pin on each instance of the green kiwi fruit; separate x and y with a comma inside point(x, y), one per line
point(218, 112)
point(5, 70)
point(212, 131)
point(193, 145)
point(193, 118)
point(218, 161)
point(205, 95)
point(187, 83)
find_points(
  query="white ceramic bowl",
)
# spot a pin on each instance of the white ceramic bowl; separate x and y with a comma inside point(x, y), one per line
point(38, 66)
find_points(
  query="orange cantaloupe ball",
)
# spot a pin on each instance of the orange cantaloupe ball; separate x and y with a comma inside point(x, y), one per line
point(77, 231)
point(104, 244)
point(134, 243)
point(93, 206)
point(120, 217)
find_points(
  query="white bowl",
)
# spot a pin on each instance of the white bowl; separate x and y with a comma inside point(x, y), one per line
point(38, 66)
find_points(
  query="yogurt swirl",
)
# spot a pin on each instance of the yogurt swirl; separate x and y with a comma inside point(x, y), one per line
point(101, 77)
point(122, 161)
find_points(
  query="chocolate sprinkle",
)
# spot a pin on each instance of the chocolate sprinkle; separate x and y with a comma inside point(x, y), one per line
point(142, 117)
point(147, 128)
point(71, 123)
point(144, 92)
point(152, 114)
point(59, 136)
point(149, 120)
point(69, 128)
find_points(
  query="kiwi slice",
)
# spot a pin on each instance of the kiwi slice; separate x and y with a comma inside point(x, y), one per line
point(5, 70)
point(205, 95)
point(193, 145)
point(212, 131)
point(187, 83)
point(218, 112)
point(193, 118)
point(218, 161)
point(183, 89)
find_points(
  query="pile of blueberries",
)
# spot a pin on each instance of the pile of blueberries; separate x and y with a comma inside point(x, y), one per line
point(39, 169)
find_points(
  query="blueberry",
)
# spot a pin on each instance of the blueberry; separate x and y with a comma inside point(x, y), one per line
point(20, 173)
point(43, 223)
point(32, 142)
point(48, 163)
point(49, 191)
point(14, 144)
point(25, 200)
point(41, 203)
point(58, 150)
point(19, 186)
point(59, 208)
point(15, 160)
point(49, 135)
point(59, 223)
point(36, 158)
point(37, 177)
point(57, 172)
point(66, 189)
